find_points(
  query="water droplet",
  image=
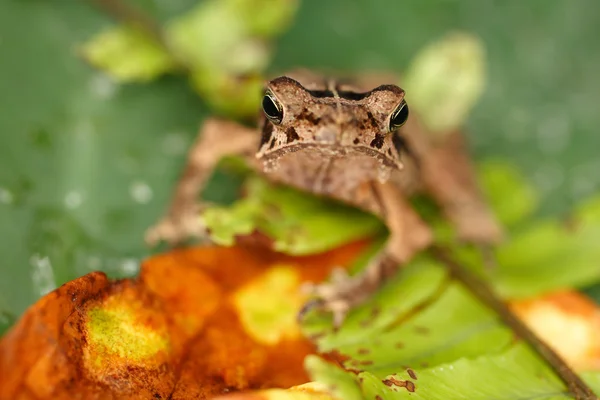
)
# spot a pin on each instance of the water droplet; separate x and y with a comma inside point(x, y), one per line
point(103, 86)
point(6, 196)
point(42, 274)
point(129, 266)
point(175, 143)
point(140, 192)
point(73, 199)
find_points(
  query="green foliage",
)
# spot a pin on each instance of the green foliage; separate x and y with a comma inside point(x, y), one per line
point(510, 196)
point(454, 346)
point(297, 224)
point(510, 374)
point(223, 45)
point(128, 54)
point(338, 383)
point(539, 255)
point(551, 254)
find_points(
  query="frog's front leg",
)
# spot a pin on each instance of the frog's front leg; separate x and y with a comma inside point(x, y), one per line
point(217, 138)
point(408, 235)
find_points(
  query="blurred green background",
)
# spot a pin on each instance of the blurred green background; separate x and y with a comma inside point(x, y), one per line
point(87, 164)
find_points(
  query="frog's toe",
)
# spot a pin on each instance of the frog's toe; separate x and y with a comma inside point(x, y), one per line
point(337, 297)
point(344, 292)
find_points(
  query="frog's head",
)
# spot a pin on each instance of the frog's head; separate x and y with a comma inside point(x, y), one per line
point(334, 123)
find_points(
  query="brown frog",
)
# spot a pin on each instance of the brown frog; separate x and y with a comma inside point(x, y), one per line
point(337, 140)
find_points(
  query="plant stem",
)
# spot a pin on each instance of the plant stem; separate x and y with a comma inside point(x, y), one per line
point(483, 291)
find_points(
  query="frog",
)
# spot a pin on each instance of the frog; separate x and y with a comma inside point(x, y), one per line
point(354, 141)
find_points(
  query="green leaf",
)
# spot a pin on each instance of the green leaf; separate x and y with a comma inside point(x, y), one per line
point(229, 36)
point(509, 195)
point(435, 322)
point(550, 255)
point(514, 374)
point(296, 222)
point(339, 383)
point(209, 36)
point(265, 18)
point(456, 347)
point(127, 54)
point(416, 284)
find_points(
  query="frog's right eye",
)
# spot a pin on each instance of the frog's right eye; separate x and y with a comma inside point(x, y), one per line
point(272, 109)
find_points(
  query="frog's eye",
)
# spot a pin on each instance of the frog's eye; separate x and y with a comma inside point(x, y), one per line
point(272, 109)
point(399, 116)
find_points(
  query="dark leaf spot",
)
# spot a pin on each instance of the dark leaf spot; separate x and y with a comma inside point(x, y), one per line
point(409, 385)
point(411, 373)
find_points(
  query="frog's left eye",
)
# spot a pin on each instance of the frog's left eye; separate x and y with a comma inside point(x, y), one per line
point(399, 116)
point(272, 109)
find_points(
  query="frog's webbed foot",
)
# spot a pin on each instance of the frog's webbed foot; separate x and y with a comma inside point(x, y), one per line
point(344, 292)
point(175, 229)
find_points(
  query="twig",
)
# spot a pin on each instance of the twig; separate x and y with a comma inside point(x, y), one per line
point(485, 293)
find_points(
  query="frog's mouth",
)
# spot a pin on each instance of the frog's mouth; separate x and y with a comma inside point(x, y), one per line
point(363, 162)
point(325, 150)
